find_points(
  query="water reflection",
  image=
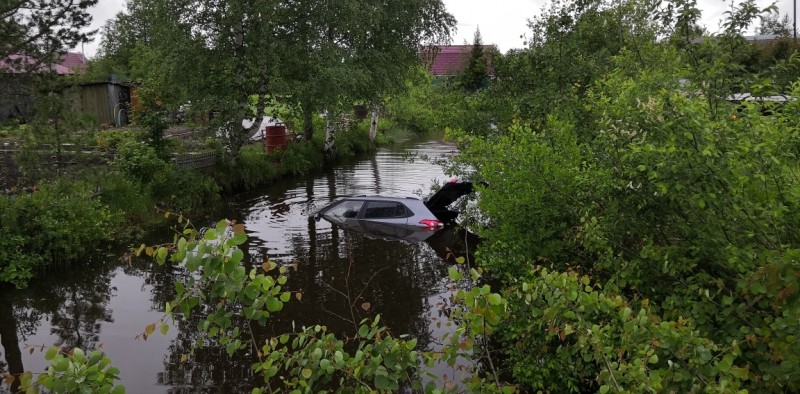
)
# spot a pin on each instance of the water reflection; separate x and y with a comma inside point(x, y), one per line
point(74, 306)
point(343, 276)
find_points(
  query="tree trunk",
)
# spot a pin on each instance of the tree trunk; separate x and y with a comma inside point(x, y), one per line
point(373, 128)
point(10, 342)
point(330, 130)
point(308, 124)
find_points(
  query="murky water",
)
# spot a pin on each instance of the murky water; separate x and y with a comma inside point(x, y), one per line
point(106, 303)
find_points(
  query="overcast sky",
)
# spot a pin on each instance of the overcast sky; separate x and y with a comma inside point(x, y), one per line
point(501, 22)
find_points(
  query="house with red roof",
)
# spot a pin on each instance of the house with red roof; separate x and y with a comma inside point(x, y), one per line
point(451, 60)
point(70, 63)
point(16, 88)
point(74, 61)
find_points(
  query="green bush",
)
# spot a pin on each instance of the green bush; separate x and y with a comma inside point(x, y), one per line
point(112, 138)
point(186, 191)
point(354, 141)
point(142, 163)
point(16, 263)
point(57, 223)
point(685, 215)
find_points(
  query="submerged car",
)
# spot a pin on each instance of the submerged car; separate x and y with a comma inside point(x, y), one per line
point(396, 212)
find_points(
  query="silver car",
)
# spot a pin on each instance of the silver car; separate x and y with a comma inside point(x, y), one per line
point(375, 213)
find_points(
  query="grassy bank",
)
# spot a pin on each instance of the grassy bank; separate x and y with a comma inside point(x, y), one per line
point(63, 210)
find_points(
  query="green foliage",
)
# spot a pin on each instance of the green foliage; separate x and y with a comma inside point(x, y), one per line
point(141, 162)
point(56, 223)
point(74, 372)
point(178, 190)
point(353, 141)
point(16, 263)
point(313, 359)
point(229, 294)
point(659, 249)
point(425, 107)
point(664, 206)
point(578, 336)
point(476, 75)
point(478, 312)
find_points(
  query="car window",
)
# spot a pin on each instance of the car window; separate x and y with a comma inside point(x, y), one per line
point(345, 210)
point(385, 209)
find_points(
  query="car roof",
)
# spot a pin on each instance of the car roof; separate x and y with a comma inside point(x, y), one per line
point(379, 198)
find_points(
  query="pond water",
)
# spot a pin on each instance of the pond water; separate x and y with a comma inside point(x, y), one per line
point(105, 303)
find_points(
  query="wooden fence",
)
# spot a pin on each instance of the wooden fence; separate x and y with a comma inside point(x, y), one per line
point(194, 160)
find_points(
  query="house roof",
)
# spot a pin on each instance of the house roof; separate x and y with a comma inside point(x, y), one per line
point(73, 60)
point(18, 64)
point(452, 59)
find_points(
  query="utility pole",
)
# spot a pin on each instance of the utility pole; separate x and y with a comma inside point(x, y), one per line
point(794, 11)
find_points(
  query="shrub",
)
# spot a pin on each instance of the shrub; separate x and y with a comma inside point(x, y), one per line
point(57, 223)
point(141, 162)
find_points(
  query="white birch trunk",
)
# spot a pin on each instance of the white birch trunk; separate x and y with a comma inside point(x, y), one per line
point(373, 127)
point(330, 130)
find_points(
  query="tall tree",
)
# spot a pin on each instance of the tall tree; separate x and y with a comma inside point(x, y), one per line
point(476, 74)
point(41, 29)
point(772, 23)
point(33, 34)
point(317, 54)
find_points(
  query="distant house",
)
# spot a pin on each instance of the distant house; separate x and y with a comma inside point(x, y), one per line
point(16, 90)
point(74, 61)
point(69, 63)
point(451, 60)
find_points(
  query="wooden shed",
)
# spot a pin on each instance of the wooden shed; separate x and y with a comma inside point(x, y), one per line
point(107, 102)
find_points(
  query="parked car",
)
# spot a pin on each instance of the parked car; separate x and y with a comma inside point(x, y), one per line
point(399, 213)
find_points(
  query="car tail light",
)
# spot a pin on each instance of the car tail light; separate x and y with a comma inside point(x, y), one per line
point(431, 223)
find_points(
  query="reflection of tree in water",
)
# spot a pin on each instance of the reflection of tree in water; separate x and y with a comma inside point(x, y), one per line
point(74, 300)
point(394, 277)
point(209, 369)
point(82, 307)
point(158, 280)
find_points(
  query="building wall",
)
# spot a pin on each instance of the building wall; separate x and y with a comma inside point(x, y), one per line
point(108, 103)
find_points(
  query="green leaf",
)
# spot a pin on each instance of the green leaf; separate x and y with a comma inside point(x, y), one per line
point(239, 239)
point(454, 273)
point(381, 382)
point(274, 305)
point(363, 331)
point(495, 299)
point(307, 373)
point(285, 296)
point(164, 329)
point(77, 355)
point(52, 351)
point(61, 364)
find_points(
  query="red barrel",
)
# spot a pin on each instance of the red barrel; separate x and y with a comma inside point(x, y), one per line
point(276, 138)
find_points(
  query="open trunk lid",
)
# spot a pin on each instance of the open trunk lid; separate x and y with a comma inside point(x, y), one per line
point(447, 195)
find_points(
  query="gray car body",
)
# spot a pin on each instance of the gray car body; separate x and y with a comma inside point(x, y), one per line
point(405, 211)
point(381, 217)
